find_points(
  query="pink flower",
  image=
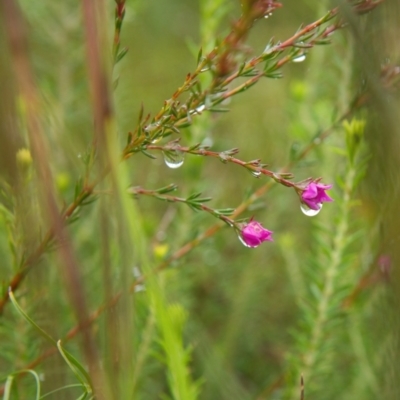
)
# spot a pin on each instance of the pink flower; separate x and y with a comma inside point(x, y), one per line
point(253, 234)
point(314, 195)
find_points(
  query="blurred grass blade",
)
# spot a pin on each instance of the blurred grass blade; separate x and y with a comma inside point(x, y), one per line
point(10, 380)
point(22, 312)
point(77, 368)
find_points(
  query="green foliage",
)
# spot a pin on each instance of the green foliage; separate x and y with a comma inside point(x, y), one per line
point(153, 300)
point(330, 274)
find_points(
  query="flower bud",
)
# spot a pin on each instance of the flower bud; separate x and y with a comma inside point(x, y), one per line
point(253, 234)
point(314, 195)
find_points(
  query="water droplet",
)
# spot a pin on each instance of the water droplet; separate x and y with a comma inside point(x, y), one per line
point(299, 58)
point(309, 211)
point(152, 127)
point(198, 110)
point(243, 242)
point(139, 288)
point(136, 272)
point(207, 141)
point(256, 173)
point(268, 49)
point(173, 158)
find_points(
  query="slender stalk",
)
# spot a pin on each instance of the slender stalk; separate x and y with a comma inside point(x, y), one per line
point(196, 204)
point(331, 278)
point(254, 165)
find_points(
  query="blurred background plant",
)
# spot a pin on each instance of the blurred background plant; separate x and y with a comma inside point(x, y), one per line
point(108, 290)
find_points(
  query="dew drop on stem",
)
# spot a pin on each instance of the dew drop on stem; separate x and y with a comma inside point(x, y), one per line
point(309, 211)
point(173, 158)
point(299, 58)
point(256, 173)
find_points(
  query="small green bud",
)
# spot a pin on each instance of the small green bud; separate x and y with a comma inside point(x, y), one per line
point(63, 181)
point(354, 134)
point(24, 158)
point(299, 90)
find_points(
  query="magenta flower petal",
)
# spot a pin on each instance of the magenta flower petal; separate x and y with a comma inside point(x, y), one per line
point(253, 234)
point(314, 195)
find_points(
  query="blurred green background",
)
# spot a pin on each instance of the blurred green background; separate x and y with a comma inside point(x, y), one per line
point(242, 305)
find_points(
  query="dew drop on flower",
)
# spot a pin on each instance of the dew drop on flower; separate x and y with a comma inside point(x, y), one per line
point(299, 58)
point(173, 159)
point(309, 211)
point(242, 241)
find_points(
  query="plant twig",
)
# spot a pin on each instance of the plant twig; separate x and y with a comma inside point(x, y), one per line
point(254, 166)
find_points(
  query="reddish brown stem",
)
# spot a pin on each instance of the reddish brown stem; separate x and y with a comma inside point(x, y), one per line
point(215, 154)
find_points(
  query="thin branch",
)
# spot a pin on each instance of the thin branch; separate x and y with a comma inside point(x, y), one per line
point(254, 166)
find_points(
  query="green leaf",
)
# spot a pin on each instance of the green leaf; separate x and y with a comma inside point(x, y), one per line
point(147, 154)
point(24, 315)
point(10, 380)
point(204, 200)
point(78, 187)
point(78, 370)
point(199, 55)
point(322, 42)
point(121, 55)
point(167, 189)
point(90, 200)
point(194, 196)
point(7, 387)
point(74, 385)
point(225, 211)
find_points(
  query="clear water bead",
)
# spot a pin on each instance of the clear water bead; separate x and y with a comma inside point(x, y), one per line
point(173, 159)
point(242, 241)
point(299, 58)
point(309, 211)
